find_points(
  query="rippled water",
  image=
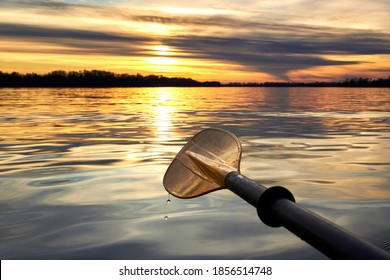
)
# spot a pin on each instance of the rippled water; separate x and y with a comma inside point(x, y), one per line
point(81, 170)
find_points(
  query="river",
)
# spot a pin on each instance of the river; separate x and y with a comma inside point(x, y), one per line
point(81, 170)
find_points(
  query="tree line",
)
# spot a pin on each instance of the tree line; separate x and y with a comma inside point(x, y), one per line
point(95, 78)
point(349, 82)
point(98, 78)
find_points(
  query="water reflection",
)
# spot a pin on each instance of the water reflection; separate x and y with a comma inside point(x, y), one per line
point(164, 111)
point(81, 169)
point(107, 232)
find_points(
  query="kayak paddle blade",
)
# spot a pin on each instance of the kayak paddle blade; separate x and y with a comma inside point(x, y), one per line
point(202, 164)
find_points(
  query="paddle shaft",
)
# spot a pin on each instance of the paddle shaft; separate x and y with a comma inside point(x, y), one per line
point(276, 207)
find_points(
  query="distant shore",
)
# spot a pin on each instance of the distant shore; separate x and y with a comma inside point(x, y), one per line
point(99, 79)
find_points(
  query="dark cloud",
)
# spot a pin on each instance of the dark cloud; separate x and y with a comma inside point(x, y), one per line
point(38, 4)
point(330, 44)
point(80, 41)
point(354, 43)
point(40, 32)
point(230, 23)
point(266, 55)
point(268, 46)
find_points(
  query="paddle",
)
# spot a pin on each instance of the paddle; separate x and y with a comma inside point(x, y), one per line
point(210, 161)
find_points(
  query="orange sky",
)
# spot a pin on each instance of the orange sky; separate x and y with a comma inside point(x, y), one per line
point(244, 41)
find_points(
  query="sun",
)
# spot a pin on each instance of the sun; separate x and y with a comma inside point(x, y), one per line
point(162, 57)
point(162, 50)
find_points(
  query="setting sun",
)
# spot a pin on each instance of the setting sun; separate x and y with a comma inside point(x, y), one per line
point(162, 50)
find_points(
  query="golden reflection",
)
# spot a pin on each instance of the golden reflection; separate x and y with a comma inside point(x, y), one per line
point(331, 139)
point(163, 122)
point(163, 114)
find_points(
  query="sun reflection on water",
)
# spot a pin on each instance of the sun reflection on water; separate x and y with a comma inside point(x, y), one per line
point(163, 111)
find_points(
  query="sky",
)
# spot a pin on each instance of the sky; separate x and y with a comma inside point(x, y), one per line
point(223, 40)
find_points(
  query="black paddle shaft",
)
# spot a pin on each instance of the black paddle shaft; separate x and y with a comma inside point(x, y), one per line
point(276, 207)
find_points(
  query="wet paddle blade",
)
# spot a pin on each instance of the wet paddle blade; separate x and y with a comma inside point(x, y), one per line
point(201, 164)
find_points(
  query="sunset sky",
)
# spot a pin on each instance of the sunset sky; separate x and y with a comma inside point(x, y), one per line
point(224, 40)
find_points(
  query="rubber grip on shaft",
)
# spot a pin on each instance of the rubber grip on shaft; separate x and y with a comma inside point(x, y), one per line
point(267, 199)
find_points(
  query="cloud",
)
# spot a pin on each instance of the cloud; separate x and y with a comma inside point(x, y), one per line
point(31, 32)
point(274, 54)
point(256, 41)
point(91, 41)
point(35, 4)
point(278, 56)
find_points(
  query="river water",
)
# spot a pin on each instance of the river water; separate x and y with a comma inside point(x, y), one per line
point(81, 170)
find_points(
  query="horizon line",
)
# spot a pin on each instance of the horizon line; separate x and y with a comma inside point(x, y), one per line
point(113, 76)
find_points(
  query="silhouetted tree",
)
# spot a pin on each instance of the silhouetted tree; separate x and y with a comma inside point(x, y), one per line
point(98, 78)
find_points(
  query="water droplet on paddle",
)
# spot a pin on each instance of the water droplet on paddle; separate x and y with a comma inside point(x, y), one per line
point(166, 218)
